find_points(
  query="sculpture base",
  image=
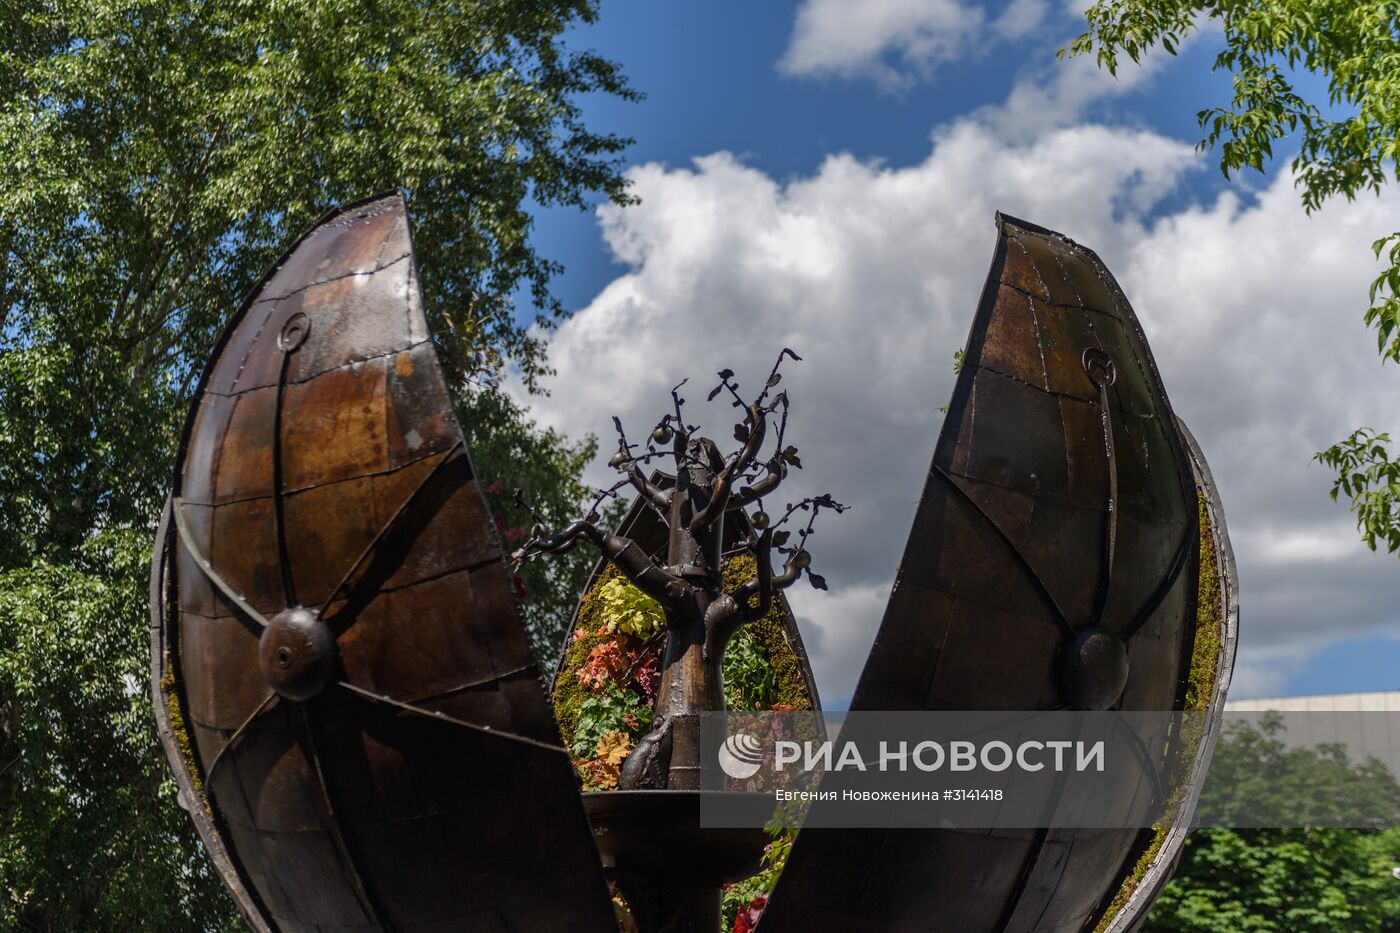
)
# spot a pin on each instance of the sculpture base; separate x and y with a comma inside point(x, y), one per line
point(669, 868)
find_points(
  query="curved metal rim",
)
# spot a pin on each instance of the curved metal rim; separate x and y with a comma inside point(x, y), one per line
point(1157, 874)
point(229, 868)
point(164, 590)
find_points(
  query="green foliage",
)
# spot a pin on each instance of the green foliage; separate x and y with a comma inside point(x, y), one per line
point(749, 680)
point(607, 681)
point(1282, 881)
point(155, 157)
point(768, 636)
point(601, 713)
point(510, 452)
point(1371, 480)
point(1256, 779)
point(570, 692)
point(90, 836)
point(626, 609)
point(1353, 46)
point(744, 894)
point(1294, 879)
point(761, 671)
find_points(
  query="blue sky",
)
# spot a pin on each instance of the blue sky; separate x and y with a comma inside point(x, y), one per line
point(710, 76)
point(823, 173)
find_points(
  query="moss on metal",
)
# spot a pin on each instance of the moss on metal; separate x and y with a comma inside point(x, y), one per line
point(176, 717)
point(1200, 689)
point(1210, 619)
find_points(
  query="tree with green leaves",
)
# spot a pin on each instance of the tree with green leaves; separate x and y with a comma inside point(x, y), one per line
point(1282, 881)
point(1327, 865)
point(155, 158)
point(1347, 146)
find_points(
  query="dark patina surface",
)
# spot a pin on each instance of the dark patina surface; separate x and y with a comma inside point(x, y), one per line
point(347, 693)
point(1051, 565)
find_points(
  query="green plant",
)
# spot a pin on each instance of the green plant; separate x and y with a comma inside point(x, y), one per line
point(615, 709)
point(1368, 476)
point(625, 608)
point(749, 896)
point(749, 679)
point(83, 782)
point(575, 684)
point(769, 635)
point(602, 684)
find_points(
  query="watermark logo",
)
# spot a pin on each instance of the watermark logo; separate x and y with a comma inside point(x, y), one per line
point(741, 756)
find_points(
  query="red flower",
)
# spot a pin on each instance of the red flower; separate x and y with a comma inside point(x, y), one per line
point(648, 677)
point(747, 918)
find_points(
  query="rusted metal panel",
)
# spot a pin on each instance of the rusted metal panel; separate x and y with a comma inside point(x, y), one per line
point(1052, 565)
point(359, 727)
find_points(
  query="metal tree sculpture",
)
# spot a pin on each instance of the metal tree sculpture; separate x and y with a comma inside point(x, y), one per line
point(700, 617)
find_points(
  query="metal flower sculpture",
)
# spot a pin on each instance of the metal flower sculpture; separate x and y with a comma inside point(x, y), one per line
point(359, 728)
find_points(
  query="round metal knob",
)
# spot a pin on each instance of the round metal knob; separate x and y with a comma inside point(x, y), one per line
point(1099, 366)
point(1093, 669)
point(297, 654)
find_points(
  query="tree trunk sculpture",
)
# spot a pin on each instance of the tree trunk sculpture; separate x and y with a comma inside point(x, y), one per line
point(700, 617)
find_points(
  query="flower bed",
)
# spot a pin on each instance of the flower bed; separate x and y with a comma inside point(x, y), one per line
point(607, 684)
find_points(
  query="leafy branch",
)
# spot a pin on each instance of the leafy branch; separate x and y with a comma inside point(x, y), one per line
point(1353, 47)
point(1368, 476)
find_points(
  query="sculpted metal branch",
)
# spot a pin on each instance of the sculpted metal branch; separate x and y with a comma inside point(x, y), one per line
point(701, 617)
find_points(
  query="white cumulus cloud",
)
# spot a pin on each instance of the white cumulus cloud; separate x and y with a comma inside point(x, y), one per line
point(894, 41)
point(872, 273)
